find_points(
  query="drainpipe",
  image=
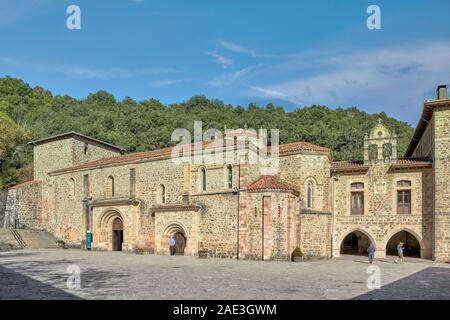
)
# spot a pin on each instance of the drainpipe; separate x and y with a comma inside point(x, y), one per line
point(238, 208)
point(334, 179)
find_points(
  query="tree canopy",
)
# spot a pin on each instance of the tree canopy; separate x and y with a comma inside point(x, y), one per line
point(34, 113)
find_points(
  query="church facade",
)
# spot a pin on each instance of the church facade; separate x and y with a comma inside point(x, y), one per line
point(137, 202)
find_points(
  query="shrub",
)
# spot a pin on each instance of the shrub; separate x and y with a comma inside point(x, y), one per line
point(297, 252)
point(61, 244)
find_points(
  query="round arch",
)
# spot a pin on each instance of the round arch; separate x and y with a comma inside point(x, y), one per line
point(178, 232)
point(174, 227)
point(355, 241)
point(413, 242)
point(108, 216)
point(111, 228)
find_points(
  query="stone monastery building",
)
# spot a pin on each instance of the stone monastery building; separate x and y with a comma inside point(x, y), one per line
point(136, 202)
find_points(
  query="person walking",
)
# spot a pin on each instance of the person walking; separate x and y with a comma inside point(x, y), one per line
point(371, 253)
point(172, 246)
point(400, 248)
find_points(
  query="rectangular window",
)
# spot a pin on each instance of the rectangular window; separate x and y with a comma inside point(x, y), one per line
point(357, 205)
point(132, 183)
point(404, 201)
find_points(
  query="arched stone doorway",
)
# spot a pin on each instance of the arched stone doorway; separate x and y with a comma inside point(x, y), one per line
point(411, 244)
point(111, 230)
point(355, 243)
point(117, 234)
point(177, 232)
point(180, 243)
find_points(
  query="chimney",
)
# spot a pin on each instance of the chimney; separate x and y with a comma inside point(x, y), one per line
point(442, 93)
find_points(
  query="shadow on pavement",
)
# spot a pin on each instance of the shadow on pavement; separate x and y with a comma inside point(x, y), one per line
point(432, 283)
point(14, 285)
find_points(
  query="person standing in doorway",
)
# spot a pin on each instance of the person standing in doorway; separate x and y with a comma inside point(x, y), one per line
point(371, 252)
point(400, 248)
point(172, 246)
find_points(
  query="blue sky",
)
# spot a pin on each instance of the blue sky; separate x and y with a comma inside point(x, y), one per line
point(291, 53)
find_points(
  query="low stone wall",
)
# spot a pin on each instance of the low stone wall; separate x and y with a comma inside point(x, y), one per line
point(24, 207)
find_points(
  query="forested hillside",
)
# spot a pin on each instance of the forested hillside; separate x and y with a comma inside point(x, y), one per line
point(31, 113)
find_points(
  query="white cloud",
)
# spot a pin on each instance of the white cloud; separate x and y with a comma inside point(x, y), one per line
point(233, 78)
point(386, 79)
point(167, 82)
point(223, 61)
point(238, 48)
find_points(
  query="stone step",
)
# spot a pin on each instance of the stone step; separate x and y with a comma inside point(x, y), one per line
point(8, 241)
point(38, 239)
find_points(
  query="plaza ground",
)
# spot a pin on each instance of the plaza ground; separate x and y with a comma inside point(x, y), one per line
point(42, 274)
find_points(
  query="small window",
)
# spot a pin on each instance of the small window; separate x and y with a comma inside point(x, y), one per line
point(309, 195)
point(404, 201)
point(229, 176)
point(110, 187)
point(86, 147)
point(357, 185)
point(163, 194)
point(357, 205)
point(72, 187)
point(203, 178)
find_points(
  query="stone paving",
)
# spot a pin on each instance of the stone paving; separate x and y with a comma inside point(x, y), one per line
point(42, 274)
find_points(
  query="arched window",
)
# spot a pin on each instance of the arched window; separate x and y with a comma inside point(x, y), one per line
point(229, 176)
point(110, 187)
point(163, 194)
point(72, 187)
point(309, 194)
point(203, 179)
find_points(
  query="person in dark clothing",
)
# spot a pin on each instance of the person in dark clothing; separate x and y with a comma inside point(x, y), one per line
point(371, 253)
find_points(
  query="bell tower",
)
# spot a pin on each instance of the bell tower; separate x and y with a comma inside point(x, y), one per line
point(380, 145)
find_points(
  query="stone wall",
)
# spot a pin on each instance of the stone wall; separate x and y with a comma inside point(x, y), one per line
point(380, 220)
point(23, 206)
point(442, 184)
point(315, 233)
point(218, 223)
point(3, 196)
point(69, 152)
point(267, 228)
point(167, 223)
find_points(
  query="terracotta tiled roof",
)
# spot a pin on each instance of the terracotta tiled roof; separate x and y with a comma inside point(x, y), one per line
point(413, 162)
point(25, 184)
point(301, 146)
point(166, 152)
point(175, 207)
point(270, 183)
point(359, 165)
point(347, 164)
